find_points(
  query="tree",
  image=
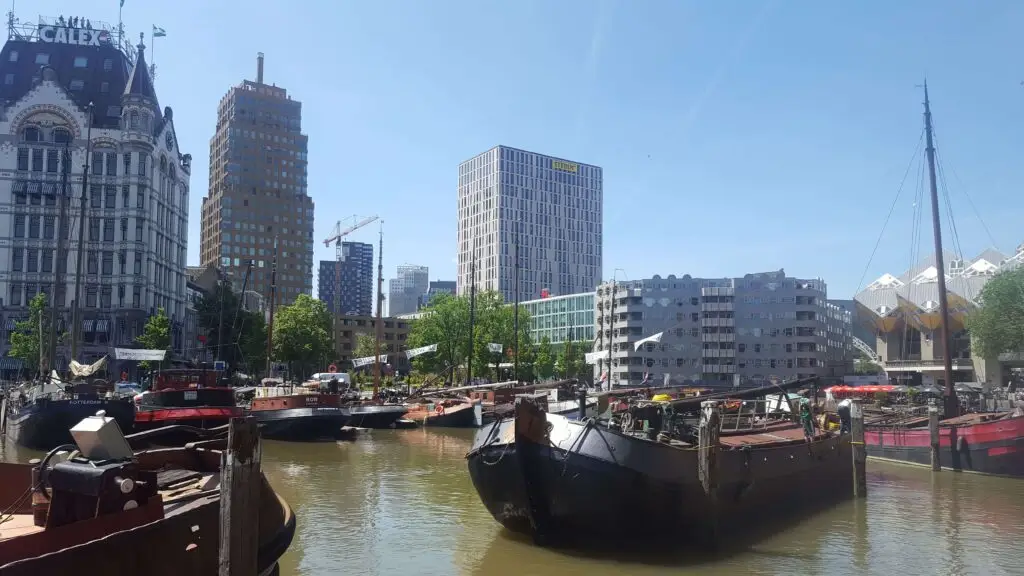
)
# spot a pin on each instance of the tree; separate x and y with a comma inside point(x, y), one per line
point(863, 365)
point(570, 362)
point(366, 345)
point(25, 339)
point(234, 335)
point(303, 335)
point(156, 335)
point(446, 322)
point(998, 326)
point(545, 364)
point(252, 341)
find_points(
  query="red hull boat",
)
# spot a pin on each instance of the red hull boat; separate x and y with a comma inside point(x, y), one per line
point(186, 397)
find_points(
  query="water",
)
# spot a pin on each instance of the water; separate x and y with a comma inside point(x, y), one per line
point(401, 502)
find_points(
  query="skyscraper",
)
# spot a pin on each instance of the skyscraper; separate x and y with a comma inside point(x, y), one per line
point(258, 208)
point(356, 271)
point(552, 206)
point(406, 292)
point(68, 91)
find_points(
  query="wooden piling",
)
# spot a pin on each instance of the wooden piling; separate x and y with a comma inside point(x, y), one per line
point(933, 431)
point(707, 459)
point(859, 450)
point(240, 485)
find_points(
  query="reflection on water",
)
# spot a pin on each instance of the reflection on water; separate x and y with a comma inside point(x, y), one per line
point(401, 502)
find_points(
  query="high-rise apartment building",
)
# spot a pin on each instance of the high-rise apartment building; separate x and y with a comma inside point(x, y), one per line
point(552, 207)
point(438, 287)
point(407, 291)
point(355, 273)
point(77, 97)
point(727, 331)
point(258, 208)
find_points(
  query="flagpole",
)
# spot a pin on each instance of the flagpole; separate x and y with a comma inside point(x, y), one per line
point(120, 25)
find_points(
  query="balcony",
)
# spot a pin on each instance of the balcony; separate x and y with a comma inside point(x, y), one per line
point(926, 365)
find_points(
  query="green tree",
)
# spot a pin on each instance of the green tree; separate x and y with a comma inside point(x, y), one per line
point(998, 326)
point(235, 335)
point(156, 335)
point(303, 335)
point(863, 365)
point(366, 345)
point(571, 360)
point(445, 323)
point(25, 343)
point(545, 363)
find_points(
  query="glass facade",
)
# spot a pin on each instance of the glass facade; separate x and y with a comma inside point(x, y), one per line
point(562, 318)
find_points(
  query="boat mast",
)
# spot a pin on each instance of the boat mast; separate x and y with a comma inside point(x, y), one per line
point(76, 304)
point(472, 313)
point(378, 324)
point(273, 300)
point(611, 328)
point(515, 315)
point(59, 287)
point(950, 401)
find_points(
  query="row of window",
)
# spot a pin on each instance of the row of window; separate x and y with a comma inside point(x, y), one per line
point(43, 59)
point(95, 296)
point(33, 260)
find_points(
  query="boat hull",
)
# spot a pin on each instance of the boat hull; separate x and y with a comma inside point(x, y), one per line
point(46, 423)
point(585, 485)
point(202, 417)
point(370, 416)
point(468, 415)
point(992, 448)
point(301, 424)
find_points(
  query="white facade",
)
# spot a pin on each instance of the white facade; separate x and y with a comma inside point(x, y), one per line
point(552, 206)
point(136, 214)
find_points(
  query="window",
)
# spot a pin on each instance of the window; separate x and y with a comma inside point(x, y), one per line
point(108, 263)
point(52, 160)
point(20, 198)
point(81, 62)
point(111, 163)
point(92, 263)
point(140, 198)
point(22, 158)
point(42, 58)
point(108, 229)
point(13, 56)
point(97, 163)
point(110, 197)
point(47, 261)
point(8, 79)
point(30, 292)
point(16, 294)
point(90, 297)
point(125, 191)
point(142, 165)
point(94, 229)
point(136, 295)
point(77, 85)
point(138, 264)
point(138, 231)
point(33, 226)
point(17, 260)
point(32, 256)
point(95, 196)
point(108, 65)
point(48, 227)
point(122, 260)
point(133, 120)
point(105, 296)
point(37, 160)
point(127, 167)
point(124, 229)
point(104, 86)
point(61, 136)
point(19, 225)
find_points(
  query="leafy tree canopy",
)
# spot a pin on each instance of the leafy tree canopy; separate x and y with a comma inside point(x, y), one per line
point(998, 326)
point(25, 337)
point(303, 336)
point(239, 335)
point(571, 361)
point(156, 335)
point(544, 365)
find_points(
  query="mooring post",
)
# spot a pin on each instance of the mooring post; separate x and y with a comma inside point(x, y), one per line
point(933, 432)
point(859, 450)
point(583, 403)
point(707, 459)
point(240, 491)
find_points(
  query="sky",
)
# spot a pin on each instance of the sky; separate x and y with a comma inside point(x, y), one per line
point(736, 136)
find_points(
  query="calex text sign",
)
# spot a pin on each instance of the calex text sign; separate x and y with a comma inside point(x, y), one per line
point(79, 36)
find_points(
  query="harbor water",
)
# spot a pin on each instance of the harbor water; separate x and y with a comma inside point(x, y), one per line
point(401, 502)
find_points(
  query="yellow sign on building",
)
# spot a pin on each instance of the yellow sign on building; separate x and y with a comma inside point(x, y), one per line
point(565, 166)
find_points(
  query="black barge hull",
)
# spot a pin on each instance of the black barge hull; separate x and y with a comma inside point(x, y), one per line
point(301, 424)
point(377, 417)
point(586, 485)
point(46, 424)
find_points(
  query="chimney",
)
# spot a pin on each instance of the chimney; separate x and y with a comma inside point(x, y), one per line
point(259, 68)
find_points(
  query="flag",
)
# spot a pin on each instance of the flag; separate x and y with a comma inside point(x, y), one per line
point(158, 32)
point(122, 3)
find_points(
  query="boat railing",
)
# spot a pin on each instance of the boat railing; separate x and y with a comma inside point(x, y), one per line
point(757, 414)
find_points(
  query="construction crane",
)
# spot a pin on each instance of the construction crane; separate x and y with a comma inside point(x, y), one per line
point(341, 231)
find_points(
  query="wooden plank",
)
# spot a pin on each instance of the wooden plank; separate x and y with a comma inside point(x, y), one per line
point(240, 486)
point(707, 460)
point(859, 450)
point(933, 432)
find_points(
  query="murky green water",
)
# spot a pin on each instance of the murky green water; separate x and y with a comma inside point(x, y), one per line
point(401, 502)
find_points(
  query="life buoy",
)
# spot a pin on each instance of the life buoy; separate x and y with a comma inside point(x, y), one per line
point(439, 410)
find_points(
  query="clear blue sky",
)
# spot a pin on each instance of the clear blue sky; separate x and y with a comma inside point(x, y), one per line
point(735, 136)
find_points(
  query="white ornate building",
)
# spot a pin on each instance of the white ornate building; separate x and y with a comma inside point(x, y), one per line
point(96, 103)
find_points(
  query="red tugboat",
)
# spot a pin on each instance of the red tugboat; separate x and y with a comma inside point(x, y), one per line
point(297, 412)
point(190, 397)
